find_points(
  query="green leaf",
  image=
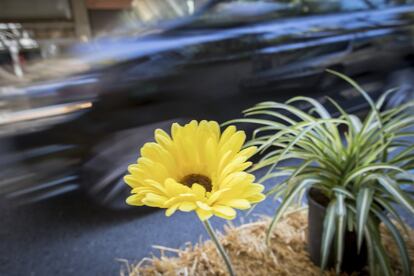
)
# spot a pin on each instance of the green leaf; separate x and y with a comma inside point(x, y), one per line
point(380, 254)
point(322, 112)
point(273, 114)
point(275, 125)
point(360, 90)
point(298, 138)
point(363, 202)
point(396, 192)
point(274, 105)
point(369, 168)
point(391, 210)
point(285, 204)
point(371, 252)
point(328, 233)
point(383, 97)
point(340, 232)
point(405, 259)
point(343, 191)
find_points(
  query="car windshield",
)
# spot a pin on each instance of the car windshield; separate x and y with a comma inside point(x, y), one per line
point(209, 11)
point(237, 11)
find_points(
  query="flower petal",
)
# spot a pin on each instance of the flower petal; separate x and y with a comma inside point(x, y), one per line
point(135, 200)
point(203, 206)
point(154, 200)
point(216, 196)
point(198, 190)
point(241, 204)
point(131, 181)
point(203, 215)
point(187, 206)
point(225, 212)
point(171, 210)
point(256, 198)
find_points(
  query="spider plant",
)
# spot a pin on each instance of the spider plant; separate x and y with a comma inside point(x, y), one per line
point(362, 170)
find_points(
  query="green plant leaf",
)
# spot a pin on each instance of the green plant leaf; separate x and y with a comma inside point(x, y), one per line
point(396, 192)
point(340, 230)
point(391, 210)
point(371, 252)
point(328, 233)
point(285, 204)
point(369, 168)
point(380, 254)
point(405, 259)
point(363, 203)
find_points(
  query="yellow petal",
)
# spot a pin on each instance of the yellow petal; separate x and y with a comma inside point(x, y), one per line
point(154, 200)
point(248, 152)
point(234, 143)
point(254, 189)
point(198, 190)
point(211, 153)
point(187, 197)
point(187, 206)
point(224, 212)
point(161, 133)
point(233, 165)
point(171, 210)
point(241, 204)
point(174, 188)
point(214, 128)
point(131, 181)
point(227, 133)
point(163, 139)
point(134, 200)
point(155, 185)
point(203, 215)
point(134, 169)
point(172, 201)
point(243, 166)
point(203, 206)
point(216, 196)
point(175, 129)
point(256, 198)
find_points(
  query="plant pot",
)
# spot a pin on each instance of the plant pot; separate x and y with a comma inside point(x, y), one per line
point(352, 261)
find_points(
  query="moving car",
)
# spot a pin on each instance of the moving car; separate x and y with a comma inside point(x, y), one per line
point(81, 129)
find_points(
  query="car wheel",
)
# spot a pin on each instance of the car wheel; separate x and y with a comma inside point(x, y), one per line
point(103, 172)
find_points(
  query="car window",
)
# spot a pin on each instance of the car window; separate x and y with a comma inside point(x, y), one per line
point(207, 13)
point(164, 10)
point(228, 12)
point(286, 8)
point(334, 6)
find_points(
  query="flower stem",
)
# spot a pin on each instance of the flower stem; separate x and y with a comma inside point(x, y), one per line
point(219, 247)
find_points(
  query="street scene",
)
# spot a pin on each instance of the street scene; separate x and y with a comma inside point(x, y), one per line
point(206, 137)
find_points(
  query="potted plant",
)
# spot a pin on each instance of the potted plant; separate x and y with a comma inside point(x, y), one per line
point(353, 178)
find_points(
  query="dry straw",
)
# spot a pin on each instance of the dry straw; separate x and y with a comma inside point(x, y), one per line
point(250, 256)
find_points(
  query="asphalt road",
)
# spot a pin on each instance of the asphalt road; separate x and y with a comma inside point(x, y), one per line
point(71, 236)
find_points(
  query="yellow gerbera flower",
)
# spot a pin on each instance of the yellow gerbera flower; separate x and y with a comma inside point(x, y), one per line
point(195, 169)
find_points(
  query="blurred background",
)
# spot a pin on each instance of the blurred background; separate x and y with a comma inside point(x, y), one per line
point(84, 83)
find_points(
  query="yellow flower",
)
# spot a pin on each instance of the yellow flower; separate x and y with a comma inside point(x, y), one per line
point(195, 169)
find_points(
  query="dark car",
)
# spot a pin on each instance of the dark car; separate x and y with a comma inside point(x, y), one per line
point(81, 130)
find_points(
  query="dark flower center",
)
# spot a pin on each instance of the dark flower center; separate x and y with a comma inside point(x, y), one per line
point(204, 181)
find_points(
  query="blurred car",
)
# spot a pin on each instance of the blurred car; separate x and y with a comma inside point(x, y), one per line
point(80, 130)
